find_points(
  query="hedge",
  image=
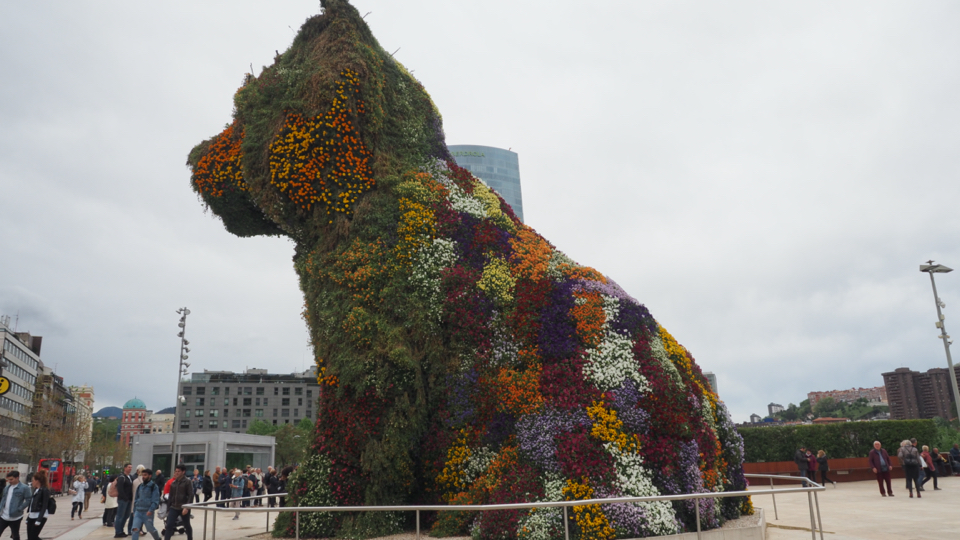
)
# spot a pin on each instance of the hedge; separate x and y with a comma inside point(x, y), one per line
point(843, 440)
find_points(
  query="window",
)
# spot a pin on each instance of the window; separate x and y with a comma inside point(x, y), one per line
point(236, 424)
point(238, 412)
point(225, 424)
point(247, 390)
point(284, 412)
point(286, 391)
point(285, 401)
point(213, 424)
point(276, 391)
point(215, 391)
point(258, 413)
point(246, 413)
point(300, 401)
point(264, 401)
point(214, 413)
point(226, 401)
point(199, 413)
point(259, 390)
point(199, 402)
point(201, 390)
point(286, 421)
point(226, 392)
point(186, 413)
point(187, 390)
point(298, 391)
point(296, 412)
point(244, 423)
point(309, 393)
point(247, 401)
point(274, 413)
point(184, 424)
point(258, 401)
point(235, 401)
point(226, 413)
point(274, 422)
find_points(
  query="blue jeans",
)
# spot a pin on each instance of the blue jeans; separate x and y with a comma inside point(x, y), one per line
point(123, 517)
point(141, 519)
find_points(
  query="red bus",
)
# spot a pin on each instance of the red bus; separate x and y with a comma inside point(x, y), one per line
point(54, 467)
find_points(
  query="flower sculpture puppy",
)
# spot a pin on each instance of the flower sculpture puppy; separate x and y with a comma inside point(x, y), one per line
point(462, 357)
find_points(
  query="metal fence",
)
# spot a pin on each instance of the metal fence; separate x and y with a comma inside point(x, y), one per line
point(811, 491)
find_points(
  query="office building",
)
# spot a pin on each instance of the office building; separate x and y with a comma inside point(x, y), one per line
point(498, 168)
point(874, 395)
point(913, 395)
point(712, 379)
point(774, 408)
point(20, 365)
point(228, 401)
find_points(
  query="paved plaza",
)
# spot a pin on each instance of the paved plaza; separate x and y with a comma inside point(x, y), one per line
point(855, 510)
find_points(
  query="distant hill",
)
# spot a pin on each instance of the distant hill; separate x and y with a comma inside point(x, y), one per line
point(168, 410)
point(107, 412)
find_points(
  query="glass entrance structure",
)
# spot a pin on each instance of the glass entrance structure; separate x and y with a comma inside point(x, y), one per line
point(499, 168)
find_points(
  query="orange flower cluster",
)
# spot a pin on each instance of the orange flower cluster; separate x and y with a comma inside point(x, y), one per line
point(531, 254)
point(322, 377)
point(590, 317)
point(322, 159)
point(220, 169)
point(518, 392)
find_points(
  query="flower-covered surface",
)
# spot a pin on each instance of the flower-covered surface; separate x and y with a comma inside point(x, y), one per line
point(463, 358)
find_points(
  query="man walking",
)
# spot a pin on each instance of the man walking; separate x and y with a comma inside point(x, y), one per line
point(181, 493)
point(880, 463)
point(16, 498)
point(124, 502)
point(800, 458)
point(92, 485)
point(923, 465)
point(146, 503)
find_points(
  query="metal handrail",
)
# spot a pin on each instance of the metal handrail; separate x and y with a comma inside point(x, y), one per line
point(205, 506)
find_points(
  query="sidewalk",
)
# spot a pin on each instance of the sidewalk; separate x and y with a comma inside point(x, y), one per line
point(856, 511)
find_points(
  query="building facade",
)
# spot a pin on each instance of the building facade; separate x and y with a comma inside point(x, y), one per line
point(712, 379)
point(774, 408)
point(204, 451)
point(876, 395)
point(913, 395)
point(20, 365)
point(498, 168)
point(228, 401)
point(161, 422)
point(83, 400)
point(134, 420)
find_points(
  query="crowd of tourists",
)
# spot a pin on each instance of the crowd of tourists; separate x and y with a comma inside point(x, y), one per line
point(920, 464)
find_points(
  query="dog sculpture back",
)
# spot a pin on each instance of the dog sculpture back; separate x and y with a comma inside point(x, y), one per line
point(462, 357)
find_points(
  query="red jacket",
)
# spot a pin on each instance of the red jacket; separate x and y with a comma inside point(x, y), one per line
point(812, 462)
point(875, 459)
point(928, 459)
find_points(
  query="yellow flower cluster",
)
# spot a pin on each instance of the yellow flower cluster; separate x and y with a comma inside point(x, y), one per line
point(591, 520)
point(322, 159)
point(417, 227)
point(497, 280)
point(452, 477)
point(608, 428)
point(491, 204)
point(678, 354)
point(746, 507)
point(322, 377)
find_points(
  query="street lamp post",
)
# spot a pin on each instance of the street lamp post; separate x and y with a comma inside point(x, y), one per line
point(181, 370)
point(932, 269)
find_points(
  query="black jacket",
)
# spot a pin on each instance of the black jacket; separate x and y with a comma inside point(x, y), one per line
point(124, 488)
point(800, 458)
point(181, 493)
point(207, 486)
point(822, 463)
point(41, 498)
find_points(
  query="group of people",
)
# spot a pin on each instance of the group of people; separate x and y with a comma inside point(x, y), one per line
point(18, 500)
point(919, 464)
point(809, 464)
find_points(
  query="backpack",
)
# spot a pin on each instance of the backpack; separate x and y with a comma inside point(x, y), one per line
point(51, 506)
point(112, 489)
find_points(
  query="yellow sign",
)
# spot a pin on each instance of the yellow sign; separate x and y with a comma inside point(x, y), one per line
point(4, 385)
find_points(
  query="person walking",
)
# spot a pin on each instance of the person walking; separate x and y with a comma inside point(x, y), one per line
point(910, 460)
point(931, 468)
point(181, 493)
point(16, 498)
point(272, 482)
point(236, 489)
point(92, 485)
point(39, 503)
point(109, 500)
point(78, 491)
point(923, 465)
point(800, 458)
point(824, 467)
point(216, 483)
point(207, 486)
point(124, 502)
point(811, 466)
point(145, 503)
point(880, 464)
point(197, 485)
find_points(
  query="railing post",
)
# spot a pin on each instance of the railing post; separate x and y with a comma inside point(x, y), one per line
point(819, 521)
point(696, 503)
point(214, 532)
point(296, 517)
point(418, 524)
point(813, 525)
point(566, 525)
point(205, 512)
point(268, 520)
point(774, 497)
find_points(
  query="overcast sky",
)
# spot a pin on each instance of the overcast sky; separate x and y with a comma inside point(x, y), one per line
point(765, 177)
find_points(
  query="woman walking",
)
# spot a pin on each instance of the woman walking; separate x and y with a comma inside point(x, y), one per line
point(207, 486)
point(811, 466)
point(109, 502)
point(910, 460)
point(824, 468)
point(216, 482)
point(37, 517)
point(931, 468)
point(79, 488)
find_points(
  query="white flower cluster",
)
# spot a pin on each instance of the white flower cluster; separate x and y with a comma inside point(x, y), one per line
point(543, 523)
point(557, 260)
point(612, 361)
point(660, 353)
point(430, 261)
point(634, 480)
point(477, 463)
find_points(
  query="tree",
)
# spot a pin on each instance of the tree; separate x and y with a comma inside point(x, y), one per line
point(826, 406)
point(292, 440)
point(259, 427)
point(790, 413)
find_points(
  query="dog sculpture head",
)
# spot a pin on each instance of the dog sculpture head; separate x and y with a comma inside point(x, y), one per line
point(461, 357)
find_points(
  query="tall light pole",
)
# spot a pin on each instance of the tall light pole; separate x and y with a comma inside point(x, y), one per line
point(181, 370)
point(932, 269)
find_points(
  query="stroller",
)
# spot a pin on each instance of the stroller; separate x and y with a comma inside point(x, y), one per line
point(162, 514)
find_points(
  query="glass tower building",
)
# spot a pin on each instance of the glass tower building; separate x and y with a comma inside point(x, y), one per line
point(499, 168)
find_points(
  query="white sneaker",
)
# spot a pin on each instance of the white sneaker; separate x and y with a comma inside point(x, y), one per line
point(236, 516)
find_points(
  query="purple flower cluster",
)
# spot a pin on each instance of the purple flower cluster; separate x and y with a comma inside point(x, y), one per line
point(625, 401)
point(462, 387)
point(536, 434)
point(629, 520)
point(502, 426)
point(558, 332)
point(633, 315)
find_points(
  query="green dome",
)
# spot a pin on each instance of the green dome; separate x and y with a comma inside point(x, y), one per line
point(134, 404)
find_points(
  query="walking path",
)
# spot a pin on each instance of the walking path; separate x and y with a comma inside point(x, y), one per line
point(856, 511)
